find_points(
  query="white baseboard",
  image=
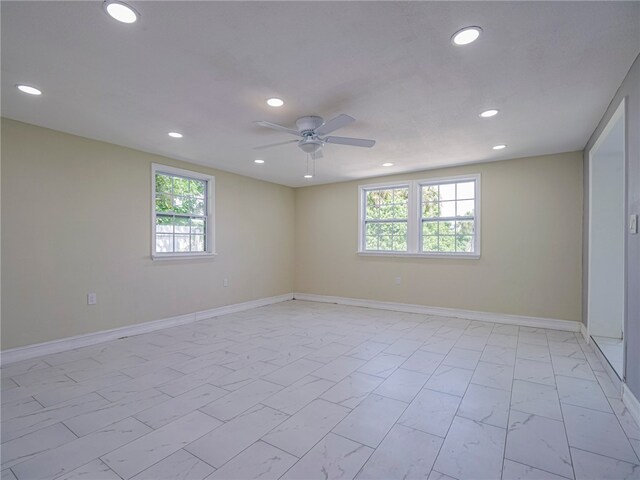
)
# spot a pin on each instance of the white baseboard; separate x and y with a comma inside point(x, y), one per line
point(631, 402)
point(55, 346)
point(585, 333)
point(536, 322)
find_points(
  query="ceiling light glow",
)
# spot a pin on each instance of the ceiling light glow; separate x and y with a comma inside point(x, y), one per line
point(175, 135)
point(120, 11)
point(466, 35)
point(258, 161)
point(387, 164)
point(28, 89)
point(499, 147)
point(275, 102)
point(308, 175)
point(489, 113)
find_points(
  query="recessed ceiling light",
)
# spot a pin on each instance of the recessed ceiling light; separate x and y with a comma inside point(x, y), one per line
point(175, 134)
point(489, 113)
point(466, 35)
point(258, 161)
point(387, 164)
point(28, 89)
point(499, 147)
point(308, 175)
point(120, 11)
point(275, 102)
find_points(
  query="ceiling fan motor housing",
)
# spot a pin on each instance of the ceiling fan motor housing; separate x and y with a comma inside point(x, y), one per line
point(308, 124)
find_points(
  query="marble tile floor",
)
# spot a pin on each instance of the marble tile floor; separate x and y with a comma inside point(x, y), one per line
point(303, 390)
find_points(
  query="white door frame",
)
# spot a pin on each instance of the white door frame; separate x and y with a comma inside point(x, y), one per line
point(617, 115)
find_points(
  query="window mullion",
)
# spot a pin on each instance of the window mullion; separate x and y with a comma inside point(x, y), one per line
point(412, 220)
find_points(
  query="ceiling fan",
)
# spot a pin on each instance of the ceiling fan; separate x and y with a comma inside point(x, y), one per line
point(313, 130)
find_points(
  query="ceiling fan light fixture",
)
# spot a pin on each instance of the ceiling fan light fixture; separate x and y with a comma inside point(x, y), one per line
point(308, 175)
point(120, 11)
point(387, 164)
point(489, 113)
point(258, 161)
point(175, 135)
point(29, 89)
point(275, 102)
point(466, 35)
point(499, 147)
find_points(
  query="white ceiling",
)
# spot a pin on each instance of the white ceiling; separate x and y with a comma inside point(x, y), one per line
point(206, 68)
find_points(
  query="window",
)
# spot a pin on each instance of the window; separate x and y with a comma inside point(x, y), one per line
point(386, 217)
point(182, 213)
point(435, 217)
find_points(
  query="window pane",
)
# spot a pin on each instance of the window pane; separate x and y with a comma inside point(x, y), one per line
point(164, 224)
point(465, 208)
point(372, 243)
point(429, 228)
point(386, 242)
point(466, 190)
point(401, 211)
point(198, 188)
point(373, 229)
point(447, 209)
point(431, 210)
point(430, 244)
point(464, 243)
point(448, 191)
point(400, 229)
point(182, 225)
point(163, 203)
point(465, 227)
point(164, 243)
point(447, 244)
point(400, 243)
point(163, 183)
point(182, 243)
point(181, 186)
point(430, 193)
point(197, 225)
point(446, 228)
point(197, 243)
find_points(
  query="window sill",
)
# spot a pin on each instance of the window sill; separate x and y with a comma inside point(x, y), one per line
point(474, 256)
point(182, 256)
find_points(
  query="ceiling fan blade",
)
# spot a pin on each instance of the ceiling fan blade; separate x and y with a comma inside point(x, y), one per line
point(329, 126)
point(317, 155)
point(355, 142)
point(275, 144)
point(278, 127)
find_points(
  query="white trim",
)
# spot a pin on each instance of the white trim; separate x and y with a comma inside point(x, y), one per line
point(608, 369)
point(631, 402)
point(536, 322)
point(31, 351)
point(585, 333)
point(619, 113)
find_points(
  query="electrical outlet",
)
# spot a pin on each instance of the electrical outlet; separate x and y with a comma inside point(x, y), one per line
point(92, 298)
point(225, 282)
point(398, 280)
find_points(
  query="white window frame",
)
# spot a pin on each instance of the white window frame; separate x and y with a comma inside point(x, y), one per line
point(210, 213)
point(414, 220)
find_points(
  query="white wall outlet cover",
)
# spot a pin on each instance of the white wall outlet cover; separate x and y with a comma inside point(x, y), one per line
point(633, 223)
point(398, 280)
point(225, 282)
point(92, 298)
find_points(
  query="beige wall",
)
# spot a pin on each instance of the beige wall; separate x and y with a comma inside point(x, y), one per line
point(531, 244)
point(56, 187)
point(76, 219)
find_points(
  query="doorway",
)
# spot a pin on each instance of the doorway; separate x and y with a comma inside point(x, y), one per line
point(606, 283)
